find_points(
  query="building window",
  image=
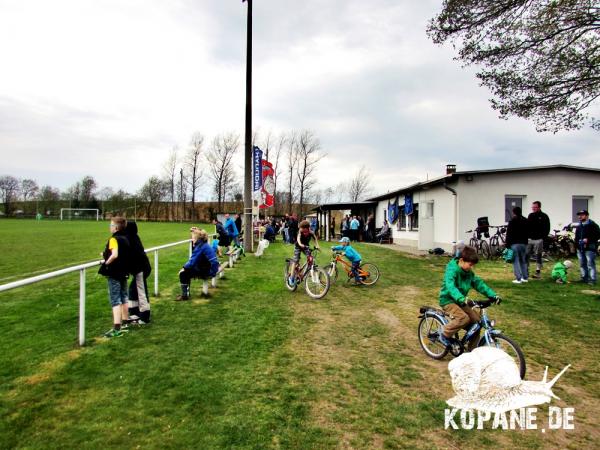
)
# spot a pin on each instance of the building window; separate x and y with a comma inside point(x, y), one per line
point(402, 219)
point(510, 201)
point(580, 203)
point(414, 218)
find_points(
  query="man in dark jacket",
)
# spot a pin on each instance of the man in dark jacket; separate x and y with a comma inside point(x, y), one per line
point(538, 225)
point(139, 300)
point(587, 234)
point(516, 240)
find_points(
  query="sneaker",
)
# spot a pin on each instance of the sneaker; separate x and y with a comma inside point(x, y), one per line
point(524, 280)
point(113, 333)
point(516, 281)
point(181, 298)
point(537, 274)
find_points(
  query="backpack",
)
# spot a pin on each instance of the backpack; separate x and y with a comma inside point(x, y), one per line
point(508, 255)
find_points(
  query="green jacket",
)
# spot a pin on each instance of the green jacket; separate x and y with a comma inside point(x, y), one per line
point(559, 271)
point(458, 282)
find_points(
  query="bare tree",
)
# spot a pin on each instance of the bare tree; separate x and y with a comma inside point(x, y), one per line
point(9, 190)
point(360, 185)
point(291, 161)
point(276, 154)
point(29, 188)
point(193, 171)
point(182, 195)
point(88, 188)
point(151, 193)
point(308, 150)
point(170, 176)
point(220, 164)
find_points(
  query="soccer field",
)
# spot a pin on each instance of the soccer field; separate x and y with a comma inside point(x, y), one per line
point(255, 366)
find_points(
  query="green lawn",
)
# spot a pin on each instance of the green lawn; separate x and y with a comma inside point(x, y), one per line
point(255, 366)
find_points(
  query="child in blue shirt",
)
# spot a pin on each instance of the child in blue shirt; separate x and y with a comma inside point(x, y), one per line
point(352, 255)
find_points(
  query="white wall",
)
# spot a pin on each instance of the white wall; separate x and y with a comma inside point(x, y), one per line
point(485, 196)
point(555, 188)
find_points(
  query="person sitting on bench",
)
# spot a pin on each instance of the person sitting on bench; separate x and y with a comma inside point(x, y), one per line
point(202, 264)
point(384, 233)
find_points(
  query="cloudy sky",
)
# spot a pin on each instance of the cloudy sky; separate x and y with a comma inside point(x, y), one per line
point(108, 87)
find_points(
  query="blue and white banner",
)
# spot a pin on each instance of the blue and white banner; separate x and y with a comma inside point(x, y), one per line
point(257, 169)
point(408, 204)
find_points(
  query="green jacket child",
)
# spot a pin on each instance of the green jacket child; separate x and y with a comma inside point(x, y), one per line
point(458, 282)
point(559, 271)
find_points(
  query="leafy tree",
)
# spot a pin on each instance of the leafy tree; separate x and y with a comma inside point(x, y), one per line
point(151, 193)
point(48, 198)
point(540, 59)
point(9, 190)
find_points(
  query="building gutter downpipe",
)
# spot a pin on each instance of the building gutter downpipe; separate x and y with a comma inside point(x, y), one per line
point(455, 209)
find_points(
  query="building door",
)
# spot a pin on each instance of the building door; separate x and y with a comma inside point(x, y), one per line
point(510, 201)
point(426, 229)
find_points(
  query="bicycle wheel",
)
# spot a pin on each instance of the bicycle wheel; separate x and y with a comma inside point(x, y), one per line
point(473, 243)
point(429, 329)
point(369, 274)
point(316, 283)
point(286, 276)
point(509, 346)
point(332, 271)
point(485, 250)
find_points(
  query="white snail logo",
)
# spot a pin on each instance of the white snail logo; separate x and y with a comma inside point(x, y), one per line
point(487, 379)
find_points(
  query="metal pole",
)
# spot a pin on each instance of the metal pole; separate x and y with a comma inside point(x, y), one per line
point(82, 307)
point(190, 249)
point(156, 273)
point(248, 149)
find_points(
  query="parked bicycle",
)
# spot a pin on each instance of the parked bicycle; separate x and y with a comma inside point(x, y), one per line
point(479, 243)
point(315, 278)
point(560, 243)
point(367, 272)
point(497, 241)
point(432, 325)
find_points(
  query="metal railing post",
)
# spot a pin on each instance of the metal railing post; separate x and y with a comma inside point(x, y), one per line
point(190, 249)
point(156, 273)
point(82, 307)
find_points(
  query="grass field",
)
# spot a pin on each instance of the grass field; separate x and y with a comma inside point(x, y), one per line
point(255, 366)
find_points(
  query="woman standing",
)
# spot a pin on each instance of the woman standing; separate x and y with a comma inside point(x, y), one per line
point(516, 239)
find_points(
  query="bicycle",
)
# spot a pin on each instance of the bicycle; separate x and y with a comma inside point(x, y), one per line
point(498, 241)
point(561, 244)
point(479, 244)
point(432, 324)
point(368, 272)
point(316, 279)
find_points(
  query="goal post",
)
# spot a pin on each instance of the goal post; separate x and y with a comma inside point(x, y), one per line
point(79, 213)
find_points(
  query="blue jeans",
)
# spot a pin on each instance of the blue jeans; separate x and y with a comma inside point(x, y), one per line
point(520, 262)
point(587, 265)
point(355, 266)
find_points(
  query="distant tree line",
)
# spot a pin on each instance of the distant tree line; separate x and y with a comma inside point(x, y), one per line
point(214, 165)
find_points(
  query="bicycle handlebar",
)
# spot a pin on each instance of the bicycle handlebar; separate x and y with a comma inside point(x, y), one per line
point(484, 303)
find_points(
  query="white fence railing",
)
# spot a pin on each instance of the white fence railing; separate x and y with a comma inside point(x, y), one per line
point(82, 268)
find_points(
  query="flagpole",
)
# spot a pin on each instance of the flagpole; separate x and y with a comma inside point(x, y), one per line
point(248, 235)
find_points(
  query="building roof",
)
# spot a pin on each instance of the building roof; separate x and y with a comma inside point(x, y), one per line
point(452, 176)
point(343, 205)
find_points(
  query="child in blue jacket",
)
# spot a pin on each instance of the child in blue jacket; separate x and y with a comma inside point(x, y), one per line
point(202, 264)
point(352, 255)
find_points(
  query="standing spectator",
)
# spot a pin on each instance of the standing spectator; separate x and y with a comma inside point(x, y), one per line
point(139, 300)
point(231, 229)
point(587, 234)
point(293, 228)
point(238, 224)
point(332, 230)
point(516, 239)
point(344, 227)
point(371, 228)
point(285, 231)
point(361, 228)
point(354, 228)
point(538, 225)
point(115, 267)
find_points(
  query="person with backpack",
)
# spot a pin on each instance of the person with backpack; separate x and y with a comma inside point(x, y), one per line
point(139, 300)
point(115, 267)
point(202, 264)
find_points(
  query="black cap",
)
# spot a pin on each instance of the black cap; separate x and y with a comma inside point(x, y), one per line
point(583, 211)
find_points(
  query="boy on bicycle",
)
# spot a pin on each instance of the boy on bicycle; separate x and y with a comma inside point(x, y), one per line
point(352, 255)
point(458, 280)
point(302, 246)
